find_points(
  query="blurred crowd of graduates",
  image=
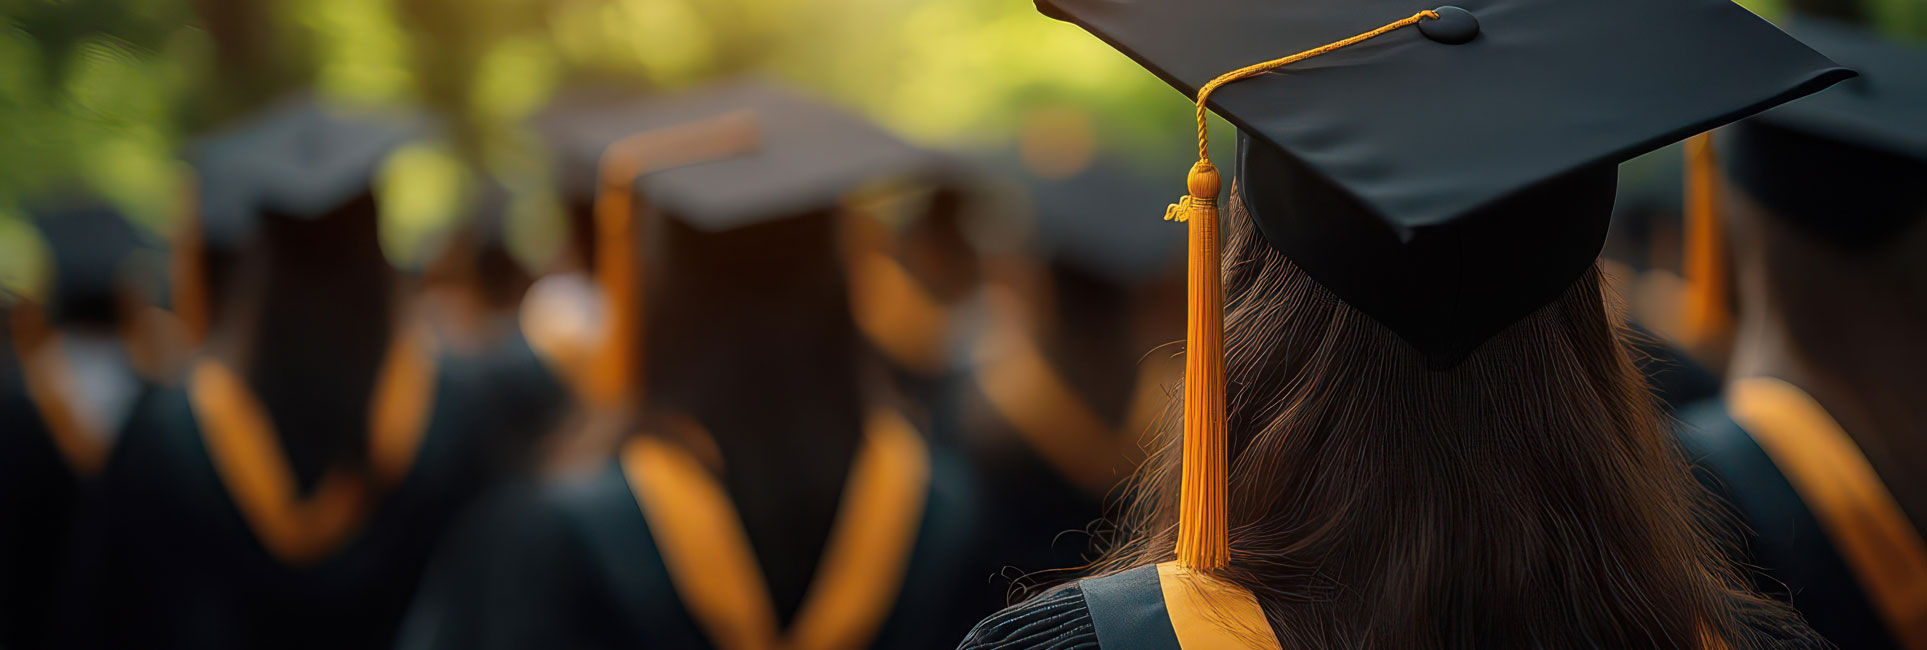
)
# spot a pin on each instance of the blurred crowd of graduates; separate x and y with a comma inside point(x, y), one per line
point(483, 229)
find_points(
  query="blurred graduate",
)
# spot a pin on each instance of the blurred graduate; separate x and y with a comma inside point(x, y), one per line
point(1409, 418)
point(69, 386)
point(1074, 368)
point(287, 491)
point(767, 493)
point(1818, 439)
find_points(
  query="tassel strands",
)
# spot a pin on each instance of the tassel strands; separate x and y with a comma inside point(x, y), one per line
point(1202, 528)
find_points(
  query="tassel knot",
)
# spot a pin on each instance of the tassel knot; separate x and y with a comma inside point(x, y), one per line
point(1203, 185)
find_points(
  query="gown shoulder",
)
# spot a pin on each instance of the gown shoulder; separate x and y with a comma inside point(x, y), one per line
point(1057, 620)
point(1773, 532)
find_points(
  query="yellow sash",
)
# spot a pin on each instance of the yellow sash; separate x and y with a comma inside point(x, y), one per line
point(715, 571)
point(1210, 613)
point(1024, 388)
point(897, 314)
point(242, 446)
point(1837, 483)
point(45, 371)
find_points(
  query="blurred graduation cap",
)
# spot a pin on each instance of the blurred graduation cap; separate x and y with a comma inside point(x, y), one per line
point(806, 155)
point(301, 159)
point(1093, 221)
point(1847, 164)
point(716, 158)
point(91, 244)
point(1445, 170)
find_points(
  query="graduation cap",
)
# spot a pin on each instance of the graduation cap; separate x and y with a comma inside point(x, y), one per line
point(1846, 164)
point(302, 159)
point(1444, 170)
point(1088, 221)
point(90, 242)
point(806, 154)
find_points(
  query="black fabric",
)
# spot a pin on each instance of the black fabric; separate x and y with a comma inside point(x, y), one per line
point(1846, 164)
point(1128, 612)
point(572, 564)
point(1406, 148)
point(163, 559)
point(527, 396)
point(90, 242)
point(1443, 288)
point(1103, 219)
point(1039, 521)
point(1795, 560)
point(1059, 620)
point(38, 493)
point(1676, 379)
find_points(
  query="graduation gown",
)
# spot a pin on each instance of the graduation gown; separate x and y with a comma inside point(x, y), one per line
point(647, 553)
point(48, 454)
point(185, 547)
point(1821, 528)
point(38, 486)
point(1153, 607)
point(1049, 459)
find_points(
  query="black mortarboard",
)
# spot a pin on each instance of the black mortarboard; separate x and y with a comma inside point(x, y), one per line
point(1444, 170)
point(1846, 164)
point(1380, 167)
point(301, 159)
point(90, 242)
point(1092, 221)
point(807, 155)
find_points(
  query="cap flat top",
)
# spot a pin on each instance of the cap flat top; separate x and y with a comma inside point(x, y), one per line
point(1882, 109)
point(300, 159)
point(1422, 131)
point(807, 156)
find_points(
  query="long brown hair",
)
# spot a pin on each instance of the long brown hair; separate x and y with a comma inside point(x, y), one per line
point(1530, 497)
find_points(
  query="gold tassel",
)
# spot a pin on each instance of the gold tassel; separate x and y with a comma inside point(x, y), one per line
point(1707, 321)
point(1202, 530)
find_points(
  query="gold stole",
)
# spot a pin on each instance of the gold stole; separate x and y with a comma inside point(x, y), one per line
point(897, 314)
point(241, 445)
point(1023, 388)
point(45, 370)
point(1837, 483)
point(715, 571)
point(1210, 613)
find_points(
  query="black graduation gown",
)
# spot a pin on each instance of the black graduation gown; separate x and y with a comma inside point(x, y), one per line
point(38, 489)
point(1045, 513)
point(574, 563)
point(1795, 559)
point(1153, 607)
point(517, 384)
point(167, 560)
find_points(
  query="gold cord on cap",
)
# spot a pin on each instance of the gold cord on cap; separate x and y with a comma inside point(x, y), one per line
point(1202, 534)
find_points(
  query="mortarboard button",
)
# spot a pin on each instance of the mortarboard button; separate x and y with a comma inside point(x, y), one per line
point(1454, 26)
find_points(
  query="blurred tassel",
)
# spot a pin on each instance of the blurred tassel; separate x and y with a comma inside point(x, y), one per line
point(190, 288)
point(1202, 529)
point(1707, 320)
